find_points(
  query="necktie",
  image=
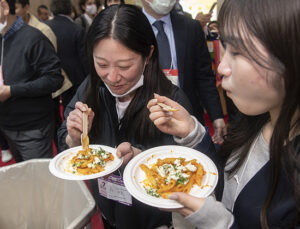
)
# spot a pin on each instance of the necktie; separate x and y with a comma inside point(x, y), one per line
point(163, 46)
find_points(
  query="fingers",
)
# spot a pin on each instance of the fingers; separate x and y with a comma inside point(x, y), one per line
point(190, 202)
point(184, 211)
point(166, 100)
point(81, 106)
point(126, 151)
point(74, 123)
point(158, 115)
point(220, 130)
point(75, 117)
point(123, 149)
point(160, 118)
point(152, 103)
point(218, 136)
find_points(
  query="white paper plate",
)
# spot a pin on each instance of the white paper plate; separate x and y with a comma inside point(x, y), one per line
point(134, 175)
point(60, 165)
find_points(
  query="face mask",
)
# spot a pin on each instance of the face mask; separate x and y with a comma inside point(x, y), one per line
point(136, 86)
point(162, 7)
point(91, 9)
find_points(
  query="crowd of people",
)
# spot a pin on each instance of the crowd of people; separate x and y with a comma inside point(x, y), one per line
point(121, 61)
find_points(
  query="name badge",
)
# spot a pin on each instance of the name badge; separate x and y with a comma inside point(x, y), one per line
point(1, 76)
point(113, 188)
point(172, 74)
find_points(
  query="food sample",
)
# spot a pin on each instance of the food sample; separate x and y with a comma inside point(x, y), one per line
point(170, 175)
point(90, 161)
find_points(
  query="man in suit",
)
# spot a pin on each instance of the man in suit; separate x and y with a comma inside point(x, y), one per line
point(70, 46)
point(182, 46)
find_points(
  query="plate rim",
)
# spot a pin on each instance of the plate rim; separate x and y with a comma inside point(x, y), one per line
point(67, 176)
point(152, 201)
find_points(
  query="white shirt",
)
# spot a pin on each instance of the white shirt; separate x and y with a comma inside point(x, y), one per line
point(89, 20)
point(121, 108)
point(169, 32)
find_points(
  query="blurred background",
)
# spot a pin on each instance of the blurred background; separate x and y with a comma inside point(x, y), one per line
point(190, 6)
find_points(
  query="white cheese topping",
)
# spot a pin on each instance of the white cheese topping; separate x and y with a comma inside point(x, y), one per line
point(191, 167)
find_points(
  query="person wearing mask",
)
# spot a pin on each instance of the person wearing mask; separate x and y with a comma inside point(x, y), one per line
point(186, 61)
point(259, 187)
point(30, 73)
point(124, 75)
point(43, 13)
point(89, 11)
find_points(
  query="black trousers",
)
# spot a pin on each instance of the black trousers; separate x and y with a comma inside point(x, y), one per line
point(3, 142)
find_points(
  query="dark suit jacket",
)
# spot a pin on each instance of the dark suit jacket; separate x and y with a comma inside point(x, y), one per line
point(70, 48)
point(194, 66)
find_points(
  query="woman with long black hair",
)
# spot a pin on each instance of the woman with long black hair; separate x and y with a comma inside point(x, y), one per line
point(125, 74)
point(260, 155)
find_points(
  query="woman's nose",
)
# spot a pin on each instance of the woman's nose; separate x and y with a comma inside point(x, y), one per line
point(113, 75)
point(224, 68)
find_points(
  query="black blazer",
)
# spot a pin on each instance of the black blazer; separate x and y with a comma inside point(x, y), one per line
point(194, 67)
point(70, 48)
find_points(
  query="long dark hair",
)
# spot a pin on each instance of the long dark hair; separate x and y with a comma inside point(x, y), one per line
point(128, 25)
point(275, 24)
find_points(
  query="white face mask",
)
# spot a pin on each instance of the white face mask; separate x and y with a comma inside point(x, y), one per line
point(162, 7)
point(138, 84)
point(91, 9)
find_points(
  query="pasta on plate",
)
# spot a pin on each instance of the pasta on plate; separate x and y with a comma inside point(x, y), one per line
point(90, 161)
point(170, 175)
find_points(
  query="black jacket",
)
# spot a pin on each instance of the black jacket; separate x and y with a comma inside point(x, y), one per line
point(70, 48)
point(139, 215)
point(32, 69)
point(194, 67)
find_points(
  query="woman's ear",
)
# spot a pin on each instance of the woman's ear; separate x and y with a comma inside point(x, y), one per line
point(150, 55)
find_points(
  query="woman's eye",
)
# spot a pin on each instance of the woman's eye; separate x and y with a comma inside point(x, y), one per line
point(102, 65)
point(124, 67)
point(235, 53)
